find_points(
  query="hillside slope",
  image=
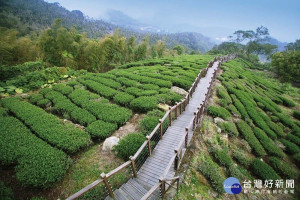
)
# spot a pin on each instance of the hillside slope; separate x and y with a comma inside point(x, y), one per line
point(36, 15)
point(251, 132)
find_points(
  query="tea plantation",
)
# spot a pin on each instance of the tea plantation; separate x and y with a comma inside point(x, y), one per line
point(41, 132)
point(258, 136)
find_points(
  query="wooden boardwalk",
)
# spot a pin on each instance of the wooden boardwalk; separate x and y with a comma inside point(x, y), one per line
point(154, 167)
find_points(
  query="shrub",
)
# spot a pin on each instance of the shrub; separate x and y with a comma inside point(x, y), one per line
point(43, 102)
point(212, 172)
point(101, 129)
point(247, 133)
point(6, 193)
point(148, 93)
point(38, 164)
point(134, 91)
point(263, 170)
point(129, 144)
point(283, 168)
point(229, 127)
point(218, 112)
point(242, 158)
point(231, 108)
point(34, 98)
point(100, 89)
point(286, 102)
point(144, 104)
point(222, 157)
point(148, 124)
point(297, 159)
point(296, 114)
point(150, 87)
point(82, 117)
point(47, 126)
point(293, 139)
point(62, 88)
point(123, 99)
point(109, 112)
point(267, 143)
point(127, 82)
point(108, 82)
point(222, 93)
point(239, 106)
point(290, 147)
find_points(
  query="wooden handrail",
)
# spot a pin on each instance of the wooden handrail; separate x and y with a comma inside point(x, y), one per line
point(165, 116)
point(148, 194)
point(85, 189)
point(140, 150)
point(116, 170)
point(168, 167)
point(154, 131)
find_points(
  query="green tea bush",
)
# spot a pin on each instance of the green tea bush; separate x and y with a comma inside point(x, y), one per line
point(231, 108)
point(218, 112)
point(242, 158)
point(267, 143)
point(99, 88)
point(62, 88)
point(6, 193)
point(297, 159)
point(34, 98)
point(148, 93)
point(286, 102)
point(47, 126)
point(43, 103)
point(108, 82)
point(229, 127)
point(239, 106)
point(212, 172)
point(283, 168)
point(149, 87)
point(222, 157)
point(37, 163)
point(143, 104)
point(263, 170)
point(127, 82)
point(129, 144)
point(123, 99)
point(82, 117)
point(109, 112)
point(296, 114)
point(277, 129)
point(290, 147)
point(100, 129)
point(222, 94)
point(134, 91)
point(293, 139)
point(246, 132)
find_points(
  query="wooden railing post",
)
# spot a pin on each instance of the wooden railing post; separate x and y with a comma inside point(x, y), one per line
point(133, 166)
point(162, 188)
point(148, 145)
point(198, 114)
point(194, 122)
point(186, 136)
point(103, 176)
point(170, 116)
point(184, 103)
point(176, 108)
point(160, 128)
point(176, 162)
point(180, 108)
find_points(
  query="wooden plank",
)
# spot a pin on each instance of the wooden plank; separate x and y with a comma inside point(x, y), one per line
point(131, 191)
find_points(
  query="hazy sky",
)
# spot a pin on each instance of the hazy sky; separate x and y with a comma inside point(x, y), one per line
point(214, 18)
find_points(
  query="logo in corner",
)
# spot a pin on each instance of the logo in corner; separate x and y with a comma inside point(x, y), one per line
point(232, 186)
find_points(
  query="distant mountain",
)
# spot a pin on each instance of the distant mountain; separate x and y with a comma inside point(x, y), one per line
point(119, 18)
point(36, 15)
point(280, 45)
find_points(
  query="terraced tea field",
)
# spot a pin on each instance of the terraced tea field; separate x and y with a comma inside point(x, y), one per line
point(252, 132)
point(40, 134)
